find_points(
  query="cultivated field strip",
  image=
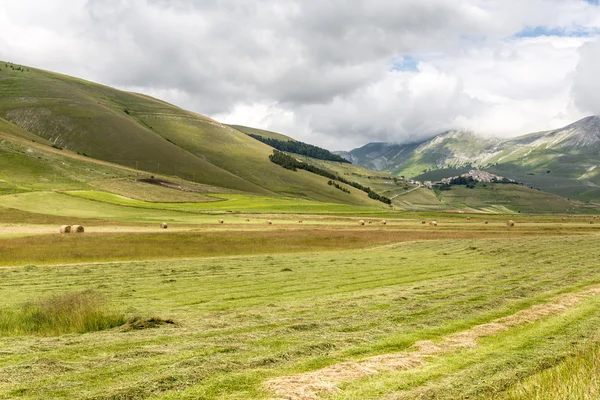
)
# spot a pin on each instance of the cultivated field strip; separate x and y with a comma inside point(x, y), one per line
point(245, 320)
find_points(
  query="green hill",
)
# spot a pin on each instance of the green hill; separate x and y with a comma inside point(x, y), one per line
point(261, 132)
point(140, 132)
point(59, 133)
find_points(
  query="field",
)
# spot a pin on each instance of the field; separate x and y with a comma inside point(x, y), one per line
point(323, 309)
point(270, 283)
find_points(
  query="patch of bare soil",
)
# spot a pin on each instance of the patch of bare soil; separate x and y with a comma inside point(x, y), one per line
point(311, 385)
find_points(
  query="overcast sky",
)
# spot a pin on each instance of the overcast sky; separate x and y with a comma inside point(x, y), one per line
point(330, 72)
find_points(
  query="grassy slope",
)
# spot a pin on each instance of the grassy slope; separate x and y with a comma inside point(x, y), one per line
point(380, 182)
point(242, 320)
point(132, 129)
point(516, 198)
point(29, 166)
point(90, 119)
point(263, 133)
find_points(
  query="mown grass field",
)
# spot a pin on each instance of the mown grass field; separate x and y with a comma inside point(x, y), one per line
point(245, 325)
point(265, 284)
point(324, 309)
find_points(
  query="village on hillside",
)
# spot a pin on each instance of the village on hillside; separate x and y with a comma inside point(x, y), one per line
point(472, 176)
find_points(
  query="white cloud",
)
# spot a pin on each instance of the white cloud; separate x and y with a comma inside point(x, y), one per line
point(586, 87)
point(320, 70)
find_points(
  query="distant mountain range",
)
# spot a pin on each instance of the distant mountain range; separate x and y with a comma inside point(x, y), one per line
point(564, 161)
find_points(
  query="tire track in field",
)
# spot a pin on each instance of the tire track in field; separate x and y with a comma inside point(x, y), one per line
point(311, 385)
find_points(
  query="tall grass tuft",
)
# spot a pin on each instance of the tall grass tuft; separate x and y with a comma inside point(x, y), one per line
point(76, 312)
point(575, 378)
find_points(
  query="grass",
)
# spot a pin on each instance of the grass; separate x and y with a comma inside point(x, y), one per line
point(243, 319)
point(75, 312)
point(516, 198)
point(574, 378)
point(233, 202)
point(137, 131)
point(44, 249)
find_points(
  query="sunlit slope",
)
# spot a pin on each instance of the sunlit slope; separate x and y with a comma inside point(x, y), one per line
point(244, 156)
point(91, 119)
point(264, 133)
point(145, 133)
point(30, 165)
point(27, 165)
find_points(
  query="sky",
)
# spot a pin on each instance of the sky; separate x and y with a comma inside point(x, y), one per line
point(334, 73)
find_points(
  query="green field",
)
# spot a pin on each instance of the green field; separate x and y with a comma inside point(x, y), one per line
point(269, 283)
point(266, 326)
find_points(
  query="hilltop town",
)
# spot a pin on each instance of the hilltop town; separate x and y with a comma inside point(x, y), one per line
point(472, 176)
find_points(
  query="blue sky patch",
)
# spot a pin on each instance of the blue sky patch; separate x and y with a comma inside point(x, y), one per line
point(536, 31)
point(405, 63)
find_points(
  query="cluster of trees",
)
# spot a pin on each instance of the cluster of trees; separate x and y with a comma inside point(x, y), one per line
point(288, 162)
point(379, 197)
point(462, 180)
point(15, 68)
point(505, 180)
point(338, 186)
point(301, 148)
point(470, 183)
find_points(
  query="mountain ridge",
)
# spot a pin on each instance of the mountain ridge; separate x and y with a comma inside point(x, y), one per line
point(571, 152)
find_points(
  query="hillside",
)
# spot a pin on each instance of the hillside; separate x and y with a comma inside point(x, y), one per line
point(261, 132)
point(63, 133)
point(147, 134)
point(563, 161)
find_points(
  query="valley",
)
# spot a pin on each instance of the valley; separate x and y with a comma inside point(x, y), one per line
point(203, 270)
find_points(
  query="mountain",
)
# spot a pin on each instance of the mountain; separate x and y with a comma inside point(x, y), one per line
point(563, 161)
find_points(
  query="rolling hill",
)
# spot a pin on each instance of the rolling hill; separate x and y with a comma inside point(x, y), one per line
point(147, 134)
point(59, 133)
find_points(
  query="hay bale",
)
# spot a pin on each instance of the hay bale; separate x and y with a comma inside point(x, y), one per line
point(77, 229)
point(384, 222)
point(269, 222)
point(221, 221)
point(361, 222)
point(65, 229)
point(433, 223)
point(510, 222)
point(164, 225)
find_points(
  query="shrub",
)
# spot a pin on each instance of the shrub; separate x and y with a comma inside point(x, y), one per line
point(76, 312)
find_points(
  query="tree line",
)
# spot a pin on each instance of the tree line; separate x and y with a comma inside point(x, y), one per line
point(301, 148)
point(292, 164)
point(337, 186)
point(470, 182)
